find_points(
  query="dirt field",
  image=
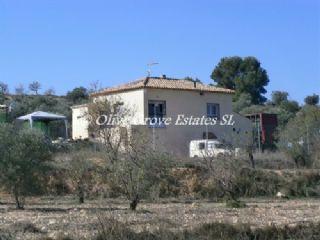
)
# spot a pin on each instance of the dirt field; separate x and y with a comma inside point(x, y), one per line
point(54, 216)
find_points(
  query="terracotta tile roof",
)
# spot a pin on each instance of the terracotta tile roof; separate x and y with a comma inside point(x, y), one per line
point(163, 83)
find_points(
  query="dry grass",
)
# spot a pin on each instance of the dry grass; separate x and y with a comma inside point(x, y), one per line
point(273, 160)
point(53, 217)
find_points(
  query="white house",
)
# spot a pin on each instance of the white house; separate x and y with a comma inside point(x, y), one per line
point(184, 102)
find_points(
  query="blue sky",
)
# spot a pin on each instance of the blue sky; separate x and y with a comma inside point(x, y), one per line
point(69, 43)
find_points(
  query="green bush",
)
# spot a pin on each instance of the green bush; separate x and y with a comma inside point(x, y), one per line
point(232, 203)
point(25, 156)
point(5, 235)
point(300, 138)
point(266, 183)
point(252, 183)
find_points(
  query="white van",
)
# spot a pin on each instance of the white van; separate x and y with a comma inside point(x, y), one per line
point(208, 148)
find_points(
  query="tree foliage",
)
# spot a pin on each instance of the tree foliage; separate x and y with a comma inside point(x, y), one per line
point(280, 105)
point(290, 106)
point(35, 87)
point(112, 136)
point(278, 97)
point(23, 162)
point(242, 102)
point(312, 99)
point(50, 92)
point(95, 86)
point(226, 72)
point(223, 172)
point(24, 104)
point(139, 169)
point(82, 169)
point(130, 162)
point(78, 95)
point(300, 136)
point(244, 75)
point(19, 90)
point(4, 89)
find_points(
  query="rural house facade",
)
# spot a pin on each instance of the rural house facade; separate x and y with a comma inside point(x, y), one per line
point(183, 101)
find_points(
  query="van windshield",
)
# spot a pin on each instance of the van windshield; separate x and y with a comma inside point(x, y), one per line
point(212, 145)
point(220, 145)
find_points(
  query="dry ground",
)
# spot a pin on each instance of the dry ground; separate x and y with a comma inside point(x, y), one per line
point(55, 216)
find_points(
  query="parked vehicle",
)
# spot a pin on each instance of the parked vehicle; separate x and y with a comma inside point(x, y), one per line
point(209, 148)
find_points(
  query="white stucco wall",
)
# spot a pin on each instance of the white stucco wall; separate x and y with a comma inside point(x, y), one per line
point(173, 138)
point(176, 139)
point(132, 100)
point(79, 122)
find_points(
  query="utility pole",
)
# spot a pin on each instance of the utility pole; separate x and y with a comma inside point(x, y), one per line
point(153, 138)
point(259, 135)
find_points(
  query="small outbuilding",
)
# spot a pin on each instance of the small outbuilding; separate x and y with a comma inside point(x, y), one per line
point(41, 120)
point(264, 129)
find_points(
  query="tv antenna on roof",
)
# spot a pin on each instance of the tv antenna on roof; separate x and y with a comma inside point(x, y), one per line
point(150, 66)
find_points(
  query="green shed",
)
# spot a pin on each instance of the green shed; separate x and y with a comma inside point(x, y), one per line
point(3, 113)
point(41, 120)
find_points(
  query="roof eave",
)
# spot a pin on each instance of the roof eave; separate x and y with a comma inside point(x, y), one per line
point(107, 92)
point(79, 106)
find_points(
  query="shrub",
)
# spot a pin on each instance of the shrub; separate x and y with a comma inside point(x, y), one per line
point(247, 182)
point(231, 203)
point(137, 172)
point(5, 235)
point(24, 161)
point(111, 230)
point(301, 136)
point(273, 160)
point(59, 237)
point(252, 183)
point(24, 227)
point(81, 170)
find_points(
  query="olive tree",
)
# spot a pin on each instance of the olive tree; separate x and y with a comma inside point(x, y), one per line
point(139, 169)
point(4, 89)
point(24, 158)
point(35, 87)
point(299, 139)
point(223, 171)
point(312, 99)
point(106, 125)
point(130, 162)
point(82, 169)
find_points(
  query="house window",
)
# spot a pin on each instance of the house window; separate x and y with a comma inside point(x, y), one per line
point(213, 110)
point(156, 113)
point(156, 109)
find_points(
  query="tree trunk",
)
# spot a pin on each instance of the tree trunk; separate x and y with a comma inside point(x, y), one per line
point(250, 155)
point(19, 204)
point(253, 164)
point(134, 203)
point(81, 195)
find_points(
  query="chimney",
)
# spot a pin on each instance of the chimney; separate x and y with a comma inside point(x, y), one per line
point(164, 76)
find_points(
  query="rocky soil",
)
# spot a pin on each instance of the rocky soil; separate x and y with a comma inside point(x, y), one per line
point(62, 216)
